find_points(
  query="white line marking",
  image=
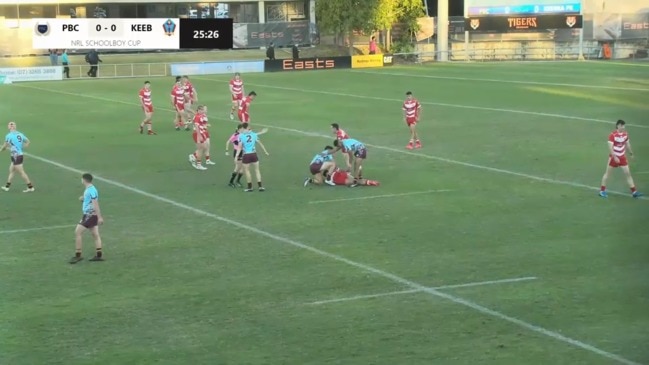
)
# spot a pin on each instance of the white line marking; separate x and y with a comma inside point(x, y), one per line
point(413, 291)
point(379, 196)
point(311, 134)
point(643, 172)
point(459, 106)
point(378, 272)
point(36, 229)
point(581, 86)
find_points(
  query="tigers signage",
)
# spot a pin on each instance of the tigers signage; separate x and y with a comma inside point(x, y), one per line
point(505, 24)
point(308, 64)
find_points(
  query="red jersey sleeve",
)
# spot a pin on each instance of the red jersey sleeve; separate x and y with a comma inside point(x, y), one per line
point(611, 137)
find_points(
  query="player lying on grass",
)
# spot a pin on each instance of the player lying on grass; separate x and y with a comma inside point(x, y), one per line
point(321, 165)
point(340, 177)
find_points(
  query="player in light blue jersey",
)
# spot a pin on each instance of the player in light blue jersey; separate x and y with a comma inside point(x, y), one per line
point(90, 220)
point(247, 146)
point(356, 151)
point(321, 166)
point(16, 142)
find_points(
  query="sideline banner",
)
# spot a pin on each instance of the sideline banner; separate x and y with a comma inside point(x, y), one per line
point(308, 64)
point(216, 68)
point(367, 61)
point(505, 24)
point(387, 60)
point(18, 74)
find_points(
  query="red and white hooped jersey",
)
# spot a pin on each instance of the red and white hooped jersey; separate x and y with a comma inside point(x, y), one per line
point(178, 92)
point(145, 97)
point(244, 105)
point(341, 134)
point(189, 89)
point(236, 86)
point(200, 124)
point(619, 140)
point(411, 108)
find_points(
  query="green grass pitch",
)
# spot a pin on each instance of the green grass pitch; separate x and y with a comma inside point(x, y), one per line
point(199, 273)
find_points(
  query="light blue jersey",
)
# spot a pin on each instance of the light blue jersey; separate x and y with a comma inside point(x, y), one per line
point(353, 145)
point(322, 157)
point(16, 140)
point(248, 142)
point(89, 195)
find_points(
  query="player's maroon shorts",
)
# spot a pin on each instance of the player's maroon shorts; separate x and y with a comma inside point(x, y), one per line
point(89, 221)
point(315, 168)
point(17, 160)
point(244, 117)
point(623, 162)
point(237, 97)
point(148, 108)
point(411, 121)
point(361, 153)
point(249, 158)
point(180, 107)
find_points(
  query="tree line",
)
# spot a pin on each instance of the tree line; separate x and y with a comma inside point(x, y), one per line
point(343, 17)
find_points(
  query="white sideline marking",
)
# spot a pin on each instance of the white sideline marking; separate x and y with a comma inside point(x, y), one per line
point(459, 106)
point(430, 157)
point(379, 196)
point(581, 86)
point(36, 229)
point(412, 291)
point(378, 272)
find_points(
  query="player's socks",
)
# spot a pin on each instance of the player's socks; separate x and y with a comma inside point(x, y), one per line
point(77, 253)
point(250, 186)
point(141, 128)
point(602, 188)
point(633, 189)
point(239, 176)
point(234, 174)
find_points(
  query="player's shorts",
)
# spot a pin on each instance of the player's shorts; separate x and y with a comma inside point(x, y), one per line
point(340, 177)
point(244, 117)
point(180, 107)
point(238, 155)
point(623, 162)
point(89, 221)
point(17, 160)
point(315, 168)
point(237, 97)
point(206, 137)
point(249, 158)
point(361, 153)
point(411, 121)
point(148, 109)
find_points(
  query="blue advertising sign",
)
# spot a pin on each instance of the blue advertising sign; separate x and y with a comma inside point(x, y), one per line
point(525, 9)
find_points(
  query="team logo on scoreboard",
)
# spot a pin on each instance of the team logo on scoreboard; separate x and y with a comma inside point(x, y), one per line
point(169, 27)
point(571, 21)
point(42, 28)
point(475, 23)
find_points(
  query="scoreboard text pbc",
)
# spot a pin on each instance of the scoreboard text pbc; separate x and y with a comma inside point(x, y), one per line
point(144, 34)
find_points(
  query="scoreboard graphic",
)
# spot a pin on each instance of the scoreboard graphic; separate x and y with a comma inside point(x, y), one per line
point(521, 7)
point(143, 34)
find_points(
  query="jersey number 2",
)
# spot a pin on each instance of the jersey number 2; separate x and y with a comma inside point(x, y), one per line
point(248, 139)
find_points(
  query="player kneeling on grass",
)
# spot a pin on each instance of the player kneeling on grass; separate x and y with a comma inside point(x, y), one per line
point(201, 137)
point(618, 143)
point(248, 141)
point(340, 177)
point(321, 165)
point(90, 221)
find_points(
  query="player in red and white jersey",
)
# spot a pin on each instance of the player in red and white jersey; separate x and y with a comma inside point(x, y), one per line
point(201, 137)
point(618, 146)
point(340, 177)
point(191, 96)
point(411, 109)
point(178, 103)
point(237, 91)
point(244, 107)
point(340, 134)
point(147, 107)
